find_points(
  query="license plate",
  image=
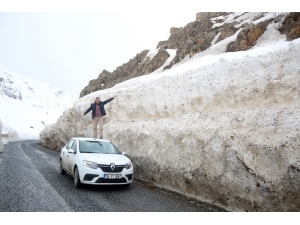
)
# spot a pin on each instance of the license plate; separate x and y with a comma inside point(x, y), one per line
point(112, 176)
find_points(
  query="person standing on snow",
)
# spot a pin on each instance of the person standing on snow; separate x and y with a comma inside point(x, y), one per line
point(98, 112)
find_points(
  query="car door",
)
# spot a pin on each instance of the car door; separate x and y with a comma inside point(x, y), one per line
point(71, 156)
point(65, 153)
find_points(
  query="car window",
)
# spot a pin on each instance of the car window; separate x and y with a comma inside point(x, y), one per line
point(70, 144)
point(74, 146)
point(97, 147)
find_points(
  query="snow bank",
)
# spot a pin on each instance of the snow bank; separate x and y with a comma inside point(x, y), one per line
point(221, 128)
point(1, 144)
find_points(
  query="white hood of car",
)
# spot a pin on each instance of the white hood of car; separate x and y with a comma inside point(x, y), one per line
point(106, 159)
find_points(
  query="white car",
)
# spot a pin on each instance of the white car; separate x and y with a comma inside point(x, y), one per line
point(95, 161)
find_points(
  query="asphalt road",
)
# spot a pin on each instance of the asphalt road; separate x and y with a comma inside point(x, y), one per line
point(30, 182)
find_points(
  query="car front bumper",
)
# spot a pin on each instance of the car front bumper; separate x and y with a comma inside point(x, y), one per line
point(97, 177)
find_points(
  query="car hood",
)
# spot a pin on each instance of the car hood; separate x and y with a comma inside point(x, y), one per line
point(107, 159)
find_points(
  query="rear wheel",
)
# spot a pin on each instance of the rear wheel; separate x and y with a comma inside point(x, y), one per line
point(62, 171)
point(77, 182)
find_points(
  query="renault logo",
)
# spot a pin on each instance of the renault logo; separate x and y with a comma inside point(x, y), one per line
point(112, 167)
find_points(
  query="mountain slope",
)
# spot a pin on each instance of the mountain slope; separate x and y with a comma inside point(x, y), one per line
point(27, 106)
point(207, 30)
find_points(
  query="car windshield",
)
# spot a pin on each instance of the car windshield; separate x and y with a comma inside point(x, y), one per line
point(102, 147)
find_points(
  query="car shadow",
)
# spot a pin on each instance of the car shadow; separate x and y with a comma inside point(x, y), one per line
point(105, 188)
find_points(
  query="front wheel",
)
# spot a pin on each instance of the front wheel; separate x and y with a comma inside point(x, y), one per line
point(77, 182)
point(61, 169)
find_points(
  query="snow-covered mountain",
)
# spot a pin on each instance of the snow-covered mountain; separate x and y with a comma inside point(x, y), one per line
point(27, 105)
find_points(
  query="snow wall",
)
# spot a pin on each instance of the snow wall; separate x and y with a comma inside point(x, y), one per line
point(225, 133)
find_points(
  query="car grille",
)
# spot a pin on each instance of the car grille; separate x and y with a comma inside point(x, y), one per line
point(107, 169)
point(111, 181)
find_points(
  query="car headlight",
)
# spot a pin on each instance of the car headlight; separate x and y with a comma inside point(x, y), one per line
point(128, 165)
point(89, 164)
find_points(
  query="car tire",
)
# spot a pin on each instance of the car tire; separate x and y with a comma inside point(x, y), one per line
point(61, 169)
point(77, 182)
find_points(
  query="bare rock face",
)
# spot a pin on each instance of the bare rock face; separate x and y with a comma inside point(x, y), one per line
point(247, 37)
point(291, 26)
point(295, 33)
point(139, 65)
point(8, 89)
point(122, 73)
point(198, 36)
point(194, 38)
point(148, 66)
point(227, 31)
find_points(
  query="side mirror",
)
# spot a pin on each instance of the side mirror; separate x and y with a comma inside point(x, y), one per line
point(71, 151)
point(123, 153)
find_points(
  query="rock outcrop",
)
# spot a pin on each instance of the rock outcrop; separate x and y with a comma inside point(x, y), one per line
point(291, 26)
point(225, 132)
point(121, 73)
point(196, 37)
point(8, 89)
point(139, 65)
point(248, 36)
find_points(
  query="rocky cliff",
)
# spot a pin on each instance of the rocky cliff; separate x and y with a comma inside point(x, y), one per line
point(196, 37)
point(221, 125)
